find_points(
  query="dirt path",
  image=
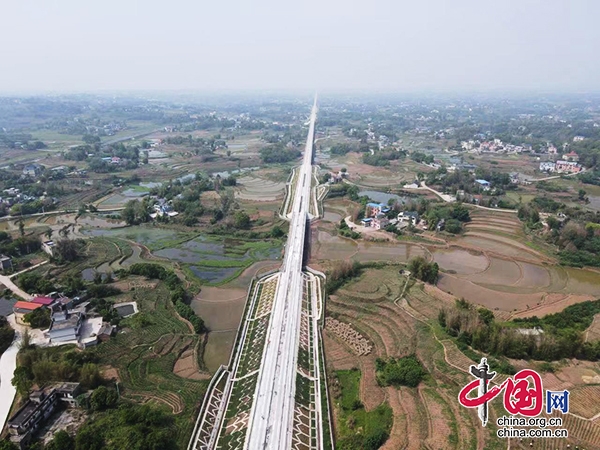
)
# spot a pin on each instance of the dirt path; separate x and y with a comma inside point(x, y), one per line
point(398, 433)
point(371, 395)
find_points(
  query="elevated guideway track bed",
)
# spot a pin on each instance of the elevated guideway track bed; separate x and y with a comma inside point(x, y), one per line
point(272, 395)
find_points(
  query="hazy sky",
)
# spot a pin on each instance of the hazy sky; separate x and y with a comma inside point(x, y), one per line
point(399, 45)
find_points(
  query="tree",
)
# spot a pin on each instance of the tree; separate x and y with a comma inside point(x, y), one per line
point(38, 318)
point(7, 445)
point(423, 270)
point(73, 284)
point(68, 250)
point(90, 139)
point(453, 226)
point(89, 376)
point(89, 438)
point(22, 380)
point(103, 398)
point(61, 441)
point(241, 220)
point(581, 194)
point(21, 227)
point(277, 232)
point(135, 212)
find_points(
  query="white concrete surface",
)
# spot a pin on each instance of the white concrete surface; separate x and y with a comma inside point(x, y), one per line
point(8, 364)
point(271, 419)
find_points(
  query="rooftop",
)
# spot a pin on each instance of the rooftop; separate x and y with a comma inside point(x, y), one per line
point(46, 301)
point(26, 305)
point(70, 322)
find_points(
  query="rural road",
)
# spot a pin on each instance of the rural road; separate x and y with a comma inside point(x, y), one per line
point(449, 198)
point(554, 177)
point(62, 211)
point(6, 281)
point(8, 364)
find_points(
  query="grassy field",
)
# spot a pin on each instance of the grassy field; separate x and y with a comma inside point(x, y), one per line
point(353, 419)
point(520, 197)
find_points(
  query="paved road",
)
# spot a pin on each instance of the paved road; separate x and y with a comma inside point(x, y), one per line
point(449, 199)
point(8, 364)
point(554, 177)
point(6, 281)
point(62, 211)
point(271, 418)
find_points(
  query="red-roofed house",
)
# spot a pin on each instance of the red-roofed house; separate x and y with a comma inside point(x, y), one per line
point(571, 156)
point(21, 308)
point(45, 301)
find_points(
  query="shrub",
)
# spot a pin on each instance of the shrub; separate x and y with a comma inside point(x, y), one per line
point(406, 371)
point(423, 270)
point(38, 318)
point(103, 398)
point(102, 291)
point(188, 313)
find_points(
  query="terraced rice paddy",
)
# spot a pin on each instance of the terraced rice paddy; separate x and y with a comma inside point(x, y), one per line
point(152, 237)
point(492, 264)
point(216, 259)
point(429, 414)
point(258, 189)
point(419, 413)
point(146, 359)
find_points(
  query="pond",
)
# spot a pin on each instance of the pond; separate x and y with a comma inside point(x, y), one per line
point(213, 274)
point(152, 237)
point(382, 197)
point(227, 249)
point(125, 310)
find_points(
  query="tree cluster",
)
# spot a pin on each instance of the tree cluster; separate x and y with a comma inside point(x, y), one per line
point(341, 272)
point(423, 270)
point(135, 212)
point(406, 371)
point(38, 318)
point(7, 334)
point(562, 335)
point(129, 426)
point(40, 366)
point(278, 153)
point(178, 293)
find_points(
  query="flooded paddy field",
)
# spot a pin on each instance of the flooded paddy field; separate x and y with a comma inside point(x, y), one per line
point(216, 259)
point(489, 269)
point(382, 197)
point(258, 189)
point(497, 244)
point(152, 237)
point(119, 199)
point(218, 347)
point(460, 261)
point(222, 308)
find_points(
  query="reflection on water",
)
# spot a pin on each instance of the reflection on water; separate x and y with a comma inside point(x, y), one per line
point(213, 275)
point(382, 197)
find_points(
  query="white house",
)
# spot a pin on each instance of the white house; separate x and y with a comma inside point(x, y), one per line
point(547, 166)
point(408, 216)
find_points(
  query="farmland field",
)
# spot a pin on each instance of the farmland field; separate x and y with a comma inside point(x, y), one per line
point(145, 358)
point(428, 413)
